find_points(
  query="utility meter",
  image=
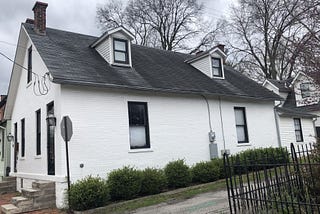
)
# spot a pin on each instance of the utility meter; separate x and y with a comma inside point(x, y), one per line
point(212, 136)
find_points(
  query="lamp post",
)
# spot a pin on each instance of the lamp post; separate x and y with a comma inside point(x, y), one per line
point(51, 120)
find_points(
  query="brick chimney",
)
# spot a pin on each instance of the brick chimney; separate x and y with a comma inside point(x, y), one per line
point(39, 10)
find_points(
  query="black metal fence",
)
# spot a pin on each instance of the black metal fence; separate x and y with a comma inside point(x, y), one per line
point(276, 182)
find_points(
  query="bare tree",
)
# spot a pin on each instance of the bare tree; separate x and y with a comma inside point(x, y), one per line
point(168, 24)
point(268, 37)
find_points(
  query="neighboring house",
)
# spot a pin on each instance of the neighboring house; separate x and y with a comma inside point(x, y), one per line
point(4, 144)
point(298, 114)
point(130, 105)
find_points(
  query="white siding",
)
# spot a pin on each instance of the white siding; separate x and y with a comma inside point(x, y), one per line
point(287, 132)
point(104, 49)
point(203, 65)
point(26, 104)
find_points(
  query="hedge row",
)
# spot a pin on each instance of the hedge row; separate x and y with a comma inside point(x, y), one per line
point(128, 182)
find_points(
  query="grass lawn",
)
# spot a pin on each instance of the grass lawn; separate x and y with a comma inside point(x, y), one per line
point(171, 196)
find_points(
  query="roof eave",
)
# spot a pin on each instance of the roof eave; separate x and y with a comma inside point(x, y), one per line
point(164, 90)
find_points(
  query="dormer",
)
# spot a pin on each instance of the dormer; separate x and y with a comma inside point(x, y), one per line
point(115, 46)
point(210, 62)
point(305, 89)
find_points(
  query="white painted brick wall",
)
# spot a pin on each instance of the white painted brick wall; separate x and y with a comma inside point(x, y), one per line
point(178, 128)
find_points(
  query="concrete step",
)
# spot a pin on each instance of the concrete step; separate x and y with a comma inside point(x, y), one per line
point(30, 193)
point(43, 185)
point(22, 202)
point(9, 209)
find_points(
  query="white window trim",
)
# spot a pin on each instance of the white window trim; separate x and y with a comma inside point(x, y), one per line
point(112, 52)
point(222, 67)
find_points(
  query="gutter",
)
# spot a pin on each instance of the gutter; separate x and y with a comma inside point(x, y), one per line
point(163, 90)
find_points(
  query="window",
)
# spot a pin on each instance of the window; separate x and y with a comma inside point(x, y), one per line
point(23, 143)
point(138, 125)
point(305, 90)
point(241, 124)
point(120, 51)
point(216, 67)
point(29, 75)
point(38, 132)
point(298, 129)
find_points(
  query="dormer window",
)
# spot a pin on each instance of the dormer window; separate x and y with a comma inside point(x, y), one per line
point(216, 67)
point(305, 89)
point(120, 48)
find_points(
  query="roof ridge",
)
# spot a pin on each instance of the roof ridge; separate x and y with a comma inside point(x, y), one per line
point(65, 31)
point(168, 51)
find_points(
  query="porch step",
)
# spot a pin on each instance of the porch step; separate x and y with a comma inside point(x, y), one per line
point(10, 209)
point(42, 195)
point(22, 202)
point(30, 193)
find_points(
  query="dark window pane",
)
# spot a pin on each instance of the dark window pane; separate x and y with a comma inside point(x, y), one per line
point(241, 125)
point(29, 74)
point(138, 125)
point(38, 129)
point(22, 138)
point(298, 129)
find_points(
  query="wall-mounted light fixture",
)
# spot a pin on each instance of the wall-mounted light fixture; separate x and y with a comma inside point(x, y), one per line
point(51, 120)
point(10, 137)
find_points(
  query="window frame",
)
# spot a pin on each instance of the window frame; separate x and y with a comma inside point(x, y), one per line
point(147, 132)
point(298, 130)
point(29, 73)
point(303, 91)
point(245, 125)
point(23, 137)
point(38, 132)
point(220, 67)
point(126, 52)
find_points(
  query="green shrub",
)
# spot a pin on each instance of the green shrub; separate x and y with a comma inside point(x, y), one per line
point(88, 193)
point(124, 183)
point(178, 174)
point(219, 163)
point(258, 159)
point(153, 181)
point(205, 172)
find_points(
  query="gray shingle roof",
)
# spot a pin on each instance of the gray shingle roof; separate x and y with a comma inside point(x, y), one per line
point(70, 60)
point(282, 85)
point(290, 103)
point(294, 112)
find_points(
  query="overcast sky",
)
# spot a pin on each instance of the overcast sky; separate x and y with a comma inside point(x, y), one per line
point(71, 15)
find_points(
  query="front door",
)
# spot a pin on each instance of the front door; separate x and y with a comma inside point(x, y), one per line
point(318, 132)
point(50, 142)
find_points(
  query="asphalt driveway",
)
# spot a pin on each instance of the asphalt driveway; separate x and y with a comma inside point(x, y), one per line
point(211, 202)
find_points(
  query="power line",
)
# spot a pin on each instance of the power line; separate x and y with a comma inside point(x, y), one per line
point(40, 82)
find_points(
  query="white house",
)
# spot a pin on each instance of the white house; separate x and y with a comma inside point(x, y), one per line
point(298, 114)
point(129, 104)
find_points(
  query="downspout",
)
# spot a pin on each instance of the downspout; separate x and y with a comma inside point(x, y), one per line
point(276, 118)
